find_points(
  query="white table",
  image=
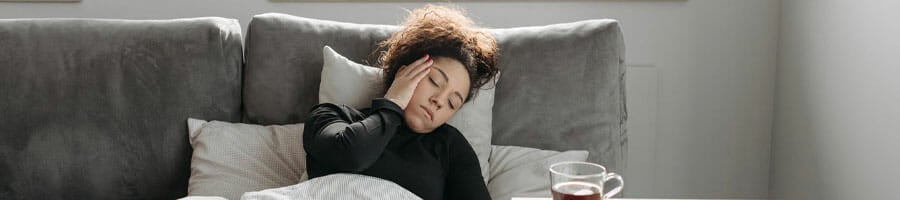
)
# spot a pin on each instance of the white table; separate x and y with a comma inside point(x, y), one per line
point(548, 198)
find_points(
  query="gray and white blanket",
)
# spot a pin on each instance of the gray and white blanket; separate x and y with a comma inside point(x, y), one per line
point(336, 186)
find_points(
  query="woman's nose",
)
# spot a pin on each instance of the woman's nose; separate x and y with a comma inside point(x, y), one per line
point(434, 101)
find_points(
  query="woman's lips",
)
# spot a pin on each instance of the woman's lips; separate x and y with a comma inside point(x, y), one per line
point(428, 113)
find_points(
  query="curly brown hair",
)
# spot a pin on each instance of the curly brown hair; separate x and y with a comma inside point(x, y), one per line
point(441, 31)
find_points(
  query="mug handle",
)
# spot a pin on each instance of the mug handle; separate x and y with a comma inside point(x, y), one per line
point(617, 189)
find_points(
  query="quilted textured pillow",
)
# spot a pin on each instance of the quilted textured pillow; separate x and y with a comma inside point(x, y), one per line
point(231, 158)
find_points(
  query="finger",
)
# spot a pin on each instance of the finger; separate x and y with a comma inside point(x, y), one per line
point(401, 70)
point(421, 60)
point(422, 74)
point(406, 71)
point(414, 71)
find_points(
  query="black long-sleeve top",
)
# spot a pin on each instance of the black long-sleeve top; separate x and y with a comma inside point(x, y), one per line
point(377, 142)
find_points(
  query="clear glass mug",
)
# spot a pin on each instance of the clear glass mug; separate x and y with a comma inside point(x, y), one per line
point(581, 181)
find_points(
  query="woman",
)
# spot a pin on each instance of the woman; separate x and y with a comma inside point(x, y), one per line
point(432, 66)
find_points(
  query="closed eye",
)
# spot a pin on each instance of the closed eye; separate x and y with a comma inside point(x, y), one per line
point(432, 82)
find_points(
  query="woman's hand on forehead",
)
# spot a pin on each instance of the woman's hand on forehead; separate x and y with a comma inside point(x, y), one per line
point(406, 80)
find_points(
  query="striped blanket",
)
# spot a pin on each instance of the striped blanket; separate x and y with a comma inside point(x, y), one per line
point(336, 186)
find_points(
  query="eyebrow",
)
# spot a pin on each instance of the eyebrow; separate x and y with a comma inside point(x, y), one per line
point(447, 79)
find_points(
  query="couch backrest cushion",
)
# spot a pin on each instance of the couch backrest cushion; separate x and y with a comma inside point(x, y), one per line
point(563, 89)
point(284, 62)
point(97, 109)
point(562, 85)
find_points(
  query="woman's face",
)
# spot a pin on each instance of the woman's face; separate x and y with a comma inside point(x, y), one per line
point(440, 94)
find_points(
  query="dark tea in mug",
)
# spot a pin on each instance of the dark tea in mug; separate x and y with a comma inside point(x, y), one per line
point(572, 180)
point(576, 190)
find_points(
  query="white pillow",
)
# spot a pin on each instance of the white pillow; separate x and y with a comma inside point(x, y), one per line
point(350, 83)
point(347, 82)
point(524, 172)
point(232, 158)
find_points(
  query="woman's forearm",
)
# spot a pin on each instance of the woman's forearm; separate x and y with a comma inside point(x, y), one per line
point(344, 139)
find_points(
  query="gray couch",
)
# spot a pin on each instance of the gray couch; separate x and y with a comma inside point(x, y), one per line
point(96, 109)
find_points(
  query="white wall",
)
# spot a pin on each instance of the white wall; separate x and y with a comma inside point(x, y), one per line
point(837, 129)
point(700, 94)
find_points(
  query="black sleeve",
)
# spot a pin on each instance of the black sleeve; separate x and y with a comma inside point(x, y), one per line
point(344, 139)
point(464, 179)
